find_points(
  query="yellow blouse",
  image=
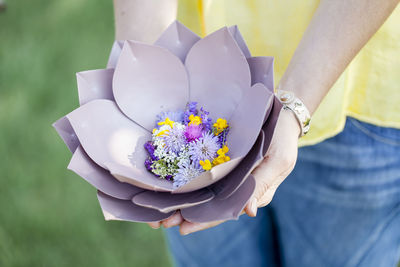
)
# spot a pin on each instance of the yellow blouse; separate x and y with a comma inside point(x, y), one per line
point(368, 90)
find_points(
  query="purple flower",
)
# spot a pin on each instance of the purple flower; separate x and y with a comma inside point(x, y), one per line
point(175, 139)
point(193, 132)
point(206, 121)
point(150, 149)
point(222, 136)
point(204, 148)
point(191, 109)
point(148, 162)
point(187, 171)
point(176, 116)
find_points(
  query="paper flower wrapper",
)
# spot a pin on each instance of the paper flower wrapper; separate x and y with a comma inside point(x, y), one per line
point(119, 104)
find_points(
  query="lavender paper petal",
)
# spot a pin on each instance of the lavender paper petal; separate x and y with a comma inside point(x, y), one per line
point(220, 171)
point(67, 134)
point(209, 177)
point(146, 181)
point(227, 186)
point(178, 39)
point(234, 30)
point(248, 119)
point(82, 165)
point(149, 79)
point(222, 209)
point(106, 134)
point(111, 139)
point(95, 84)
point(218, 73)
point(269, 125)
point(166, 202)
point(125, 210)
point(270, 107)
point(114, 55)
point(262, 71)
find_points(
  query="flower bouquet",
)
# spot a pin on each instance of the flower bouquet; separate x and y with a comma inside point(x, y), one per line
point(177, 125)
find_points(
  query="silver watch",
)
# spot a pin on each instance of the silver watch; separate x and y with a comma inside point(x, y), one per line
point(291, 102)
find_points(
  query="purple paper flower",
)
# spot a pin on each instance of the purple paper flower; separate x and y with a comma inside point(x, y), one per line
point(118, 108)
point(204, 148)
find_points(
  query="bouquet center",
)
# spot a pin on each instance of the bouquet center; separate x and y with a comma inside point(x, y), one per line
point(185, 144)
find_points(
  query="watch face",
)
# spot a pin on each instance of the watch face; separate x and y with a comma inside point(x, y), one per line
point(290, 102)
point(285, 97)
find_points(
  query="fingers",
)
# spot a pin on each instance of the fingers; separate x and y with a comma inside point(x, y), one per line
point(267, 197)
point(185, 226)
point(269, 175)
point(188, 227)
point(174, 220)
point(154, 225)
point(251, 207)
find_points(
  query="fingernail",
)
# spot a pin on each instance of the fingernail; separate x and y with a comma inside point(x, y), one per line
point(184, 232)
point(154, 225)
point(171, 222)
point(188, 229)
point(253, 207)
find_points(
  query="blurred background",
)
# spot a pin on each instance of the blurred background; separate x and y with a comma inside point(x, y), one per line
point(48, 215)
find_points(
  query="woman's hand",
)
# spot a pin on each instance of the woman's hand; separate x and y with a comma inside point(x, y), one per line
point(278, 162)
point(277, 165)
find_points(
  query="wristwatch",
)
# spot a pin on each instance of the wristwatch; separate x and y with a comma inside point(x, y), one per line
point(294, 104)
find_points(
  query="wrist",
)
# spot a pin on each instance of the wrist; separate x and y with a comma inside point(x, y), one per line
point(310, 95)
point(141, 20)
point(291, 122)
point(296, 106)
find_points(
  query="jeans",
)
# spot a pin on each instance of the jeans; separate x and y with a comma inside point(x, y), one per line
point(339, 207)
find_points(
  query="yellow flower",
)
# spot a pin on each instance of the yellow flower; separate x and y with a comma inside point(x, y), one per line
point(220, 125)
point(167, 122)
point(222, 158)
point(218, 160)
point(165, 132)
point(194, 120)
point(206, 164)
point(223, 150)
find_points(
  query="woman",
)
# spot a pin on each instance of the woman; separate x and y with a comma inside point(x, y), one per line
point(340, 206)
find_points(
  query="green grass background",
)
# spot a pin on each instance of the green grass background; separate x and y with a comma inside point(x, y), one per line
point(48, 215)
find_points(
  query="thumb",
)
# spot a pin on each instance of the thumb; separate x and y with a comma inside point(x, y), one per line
point(268, 175)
